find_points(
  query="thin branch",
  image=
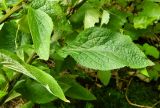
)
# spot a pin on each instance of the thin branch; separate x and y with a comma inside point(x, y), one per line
point(155, 104)
point(131, 103)
point(11, 11)
point(31, 58)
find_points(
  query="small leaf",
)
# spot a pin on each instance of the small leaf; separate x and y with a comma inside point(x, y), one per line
point(79, 92)
point(11, 61)
point(41, 26)
point(151, 50)
point(104, 77)
point(154, 75)
point(91, 17)
point(7, 36)
point(144, 72)
point(149, 14)
point(13, 95)
point(105, 17)
point(103, 49)
point(117, 19)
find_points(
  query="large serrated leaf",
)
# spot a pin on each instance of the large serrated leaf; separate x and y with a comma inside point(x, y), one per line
point(103, 49)
point(11, 61)
point(41, 26)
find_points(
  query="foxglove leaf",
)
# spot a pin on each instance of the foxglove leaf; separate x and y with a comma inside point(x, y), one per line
point(103, 49)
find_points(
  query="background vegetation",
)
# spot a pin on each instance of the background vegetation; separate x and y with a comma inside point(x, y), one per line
point(79, 53)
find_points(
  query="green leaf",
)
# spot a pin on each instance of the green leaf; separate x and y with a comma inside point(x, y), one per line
point(144, 72)
point(105, 17)
point(13, 95)
point(154, 75)
point(47, 81)
point(157, 67)
point(104, 77)
point(41, 26)
point(91, 17)
point(2, 93)
point(2, 78)
point(11, 2)
point(153, 0)
point(23, 24)
point(77, 91)
point(150, 13)
point(7, 36)
point(11, 61)
point(60, 22)
point(89, 105)
point(151, 50)
point(117, 19)
point(32, 90)
point(103, 49)
point(37, 3)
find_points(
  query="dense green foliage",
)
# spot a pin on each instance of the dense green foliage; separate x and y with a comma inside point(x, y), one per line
point(59, 53)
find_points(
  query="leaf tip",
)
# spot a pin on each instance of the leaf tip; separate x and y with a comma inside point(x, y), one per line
point(68, 101)
point(151, 63)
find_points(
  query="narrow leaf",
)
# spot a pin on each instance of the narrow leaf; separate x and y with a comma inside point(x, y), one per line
point(11, 61)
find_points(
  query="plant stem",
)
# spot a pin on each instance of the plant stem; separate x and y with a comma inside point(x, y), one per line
point(13, 10)
point(9, 13)
point(15, 80)
point(31, 58)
